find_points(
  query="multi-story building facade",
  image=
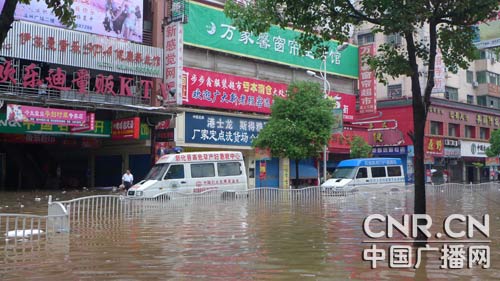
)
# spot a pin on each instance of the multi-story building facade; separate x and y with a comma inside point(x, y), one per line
point(464, 111)
point(78, 103)
point(228, 80)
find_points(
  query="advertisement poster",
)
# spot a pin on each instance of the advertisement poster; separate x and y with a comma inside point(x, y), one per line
point(209, 28)
point(114, 18)
point(89, 124)
point(42, 115)
point(127, 128)
point(262, 170)
point(219, 90)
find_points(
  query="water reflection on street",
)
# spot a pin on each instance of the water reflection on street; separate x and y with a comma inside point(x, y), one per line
point(238, 240)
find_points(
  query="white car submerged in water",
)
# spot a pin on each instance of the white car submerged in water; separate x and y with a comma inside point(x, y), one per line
point(193, 172)
point(366, 174)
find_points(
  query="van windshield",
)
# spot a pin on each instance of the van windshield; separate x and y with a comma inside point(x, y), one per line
point(157, 172)
point(344, 173)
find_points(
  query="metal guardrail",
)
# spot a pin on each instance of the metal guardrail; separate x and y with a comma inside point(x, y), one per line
point(97, 210)
point(21, 227)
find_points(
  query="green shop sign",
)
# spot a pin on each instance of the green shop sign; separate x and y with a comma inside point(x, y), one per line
point(209, 28)
point(102, 129)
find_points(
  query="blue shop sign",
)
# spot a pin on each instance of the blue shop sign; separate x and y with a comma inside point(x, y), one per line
point(389, 150)
point(221, 130)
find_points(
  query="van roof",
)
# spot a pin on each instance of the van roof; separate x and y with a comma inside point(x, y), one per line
point(369, 162)
point(202, 156)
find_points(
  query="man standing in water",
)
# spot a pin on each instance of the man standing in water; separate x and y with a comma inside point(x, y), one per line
point(127, 179)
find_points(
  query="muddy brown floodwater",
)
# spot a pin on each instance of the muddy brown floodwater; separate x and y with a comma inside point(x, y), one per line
point(244, 240)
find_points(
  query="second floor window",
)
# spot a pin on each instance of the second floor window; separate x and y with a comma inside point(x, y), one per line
point(470, 132)
point(366, 38)
point(436, 128)
point(453, 130)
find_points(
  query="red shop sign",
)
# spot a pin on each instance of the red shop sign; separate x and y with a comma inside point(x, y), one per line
point(219, 90)
point(127, 128)
point(434, 146)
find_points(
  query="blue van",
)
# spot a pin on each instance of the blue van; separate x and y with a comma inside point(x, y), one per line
point(366, 174)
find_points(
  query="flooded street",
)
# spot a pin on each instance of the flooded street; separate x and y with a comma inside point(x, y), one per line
point(241, 240)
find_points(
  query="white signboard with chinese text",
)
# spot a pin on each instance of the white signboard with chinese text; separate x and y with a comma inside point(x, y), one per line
point(66, 47)
point(473, 148)
point(174, 47)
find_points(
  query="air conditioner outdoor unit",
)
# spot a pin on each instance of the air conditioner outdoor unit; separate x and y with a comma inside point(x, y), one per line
point(475, 84)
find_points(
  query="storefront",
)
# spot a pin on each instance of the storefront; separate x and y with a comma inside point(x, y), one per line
point(77, 108)
point(454, 164)
point(473, 154)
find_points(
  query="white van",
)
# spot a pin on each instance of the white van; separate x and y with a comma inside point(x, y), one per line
point(193, 172)
point(366, 174)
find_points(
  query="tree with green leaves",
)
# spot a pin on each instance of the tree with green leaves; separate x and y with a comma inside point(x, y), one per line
point(300, 124)
point(360, 148)
point(61, 9)
point(448, 23)
point(494, 149)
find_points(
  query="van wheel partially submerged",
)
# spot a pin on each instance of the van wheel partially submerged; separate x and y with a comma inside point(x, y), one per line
point(228, 195)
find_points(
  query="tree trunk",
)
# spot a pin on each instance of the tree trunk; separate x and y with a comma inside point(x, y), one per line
point(419, 167)
point(296, 173)
point(6, 19)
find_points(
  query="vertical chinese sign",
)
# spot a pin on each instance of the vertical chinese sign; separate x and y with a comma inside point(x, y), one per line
point(174, 50)
point(367, 85)
point(439, 74)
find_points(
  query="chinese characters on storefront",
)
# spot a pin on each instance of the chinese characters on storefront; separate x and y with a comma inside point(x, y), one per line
point(464, 117)
point(221, 130)
point(41, 115)
point(31, 76)
point(209, 28)
point(218, 90)
point(367, 85)
point(127, 128)
point(174, 50)
point(439, 74)
point(434, 146)
point(66, 47)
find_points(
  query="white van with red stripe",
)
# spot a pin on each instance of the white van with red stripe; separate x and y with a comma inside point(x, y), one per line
point(193, 172)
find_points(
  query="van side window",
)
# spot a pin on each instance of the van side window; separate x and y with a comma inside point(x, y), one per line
point(394, 171)
point(362, 173)
point(229, 169)
point(378, 172)
point(202, 170)
point(175, 172)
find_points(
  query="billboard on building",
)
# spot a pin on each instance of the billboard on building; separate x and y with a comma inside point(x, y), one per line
point(173, 51)
point(209, 28)
point(488, 33)
point(36, 42)
point(114, 18)
point(221, 129)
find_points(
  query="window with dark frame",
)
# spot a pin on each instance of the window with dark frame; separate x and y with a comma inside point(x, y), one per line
point(378, 172)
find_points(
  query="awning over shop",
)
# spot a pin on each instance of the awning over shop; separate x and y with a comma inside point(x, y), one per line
point(306, 171)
